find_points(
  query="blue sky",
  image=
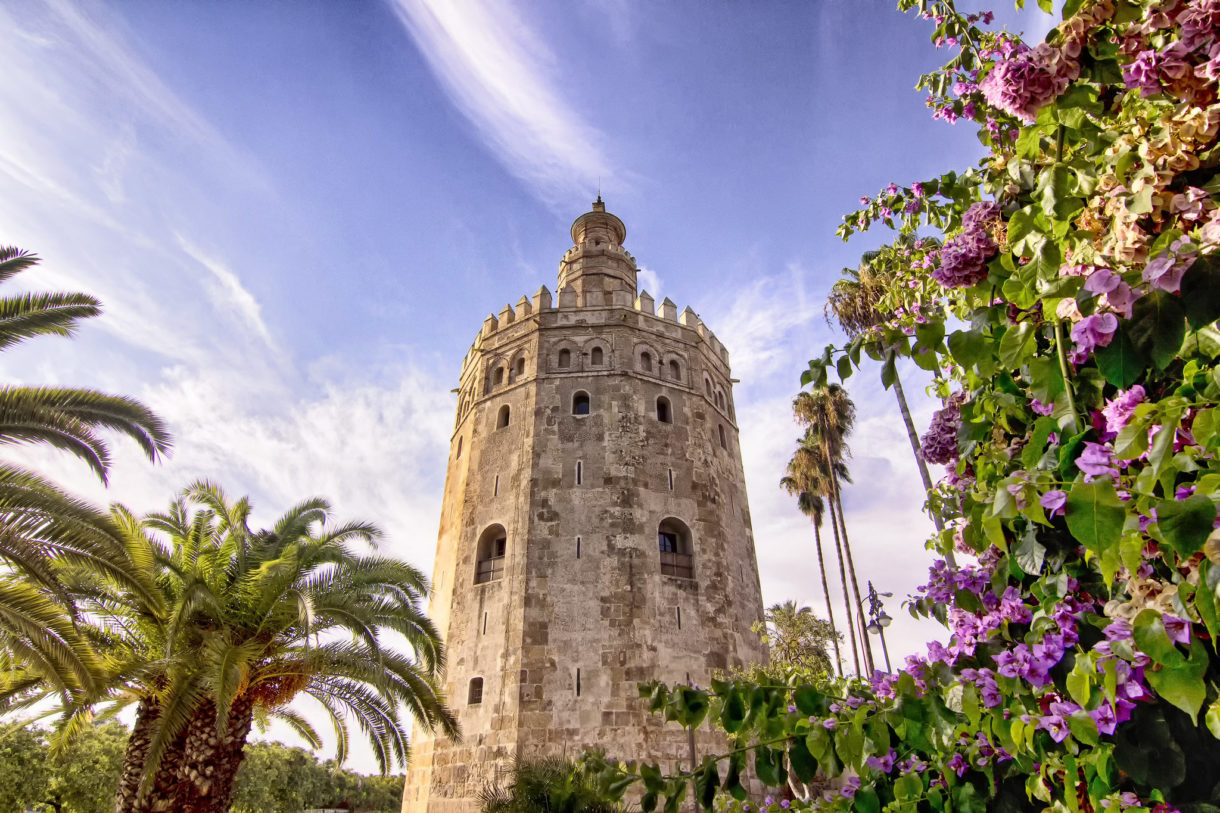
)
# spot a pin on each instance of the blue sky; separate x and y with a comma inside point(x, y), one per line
point(298, 215)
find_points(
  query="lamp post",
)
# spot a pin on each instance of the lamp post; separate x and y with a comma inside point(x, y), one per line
point(879, 620)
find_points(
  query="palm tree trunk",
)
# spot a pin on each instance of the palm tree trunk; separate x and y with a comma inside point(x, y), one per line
point(851, 565)
point(913, 436)
point(830, 613)
point(211, 759)
point(851, 627)
point(147, 714)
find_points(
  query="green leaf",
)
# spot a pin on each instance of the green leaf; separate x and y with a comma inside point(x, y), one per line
point(1119, 361)
point(734, 713)
point(1153, 640)
point(809, 700)
point(769, 766)
point(1095, 515)
point(1201, 292)
point(1055, 186)
point(802, 763)
point(967, 347)
point(1183, 685)
point(1045, 379)
point(843, 367)
point(866, 801)
point(707, 782)
point(1017, 345)
point(1030, 555)
point(1212, 718)
point(889, 372)
point(1186, 524)
point(732, 780)
point(1158, 326)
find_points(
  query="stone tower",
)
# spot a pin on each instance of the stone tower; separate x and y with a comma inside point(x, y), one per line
point(594, 531)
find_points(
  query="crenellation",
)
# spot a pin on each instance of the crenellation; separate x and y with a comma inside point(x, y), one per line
point(668, 310)
point(645, 303)
point(507, 316)
point(542, 299)
point(490, 324)
point(523, 307)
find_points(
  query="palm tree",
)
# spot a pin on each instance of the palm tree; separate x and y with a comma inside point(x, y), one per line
point(828, 414)
point(40, 525)
point(550, 784)
point(806, 487)
point(235, 624)
point(797, 638)
point(854, 303)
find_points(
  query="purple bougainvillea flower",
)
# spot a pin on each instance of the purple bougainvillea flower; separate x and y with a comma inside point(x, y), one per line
point(885, 764)
point(958, 764)
point(1097, 460)
point(1092, 332)
point(1143, 74)
point(849, 789)
point(1165, 272)
point(1178, 629)
point(939, 444)
point(1040, 408)
point(830, 724)
point(1053, 501)
point(1019, 87)
point(1105, 718)
point(1118, 630)
point(1118, 411)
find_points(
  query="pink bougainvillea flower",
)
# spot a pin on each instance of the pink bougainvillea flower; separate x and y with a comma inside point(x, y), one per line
point(1097, 460)
point(1118, 411)
point(1092, 332)
point(1165, 272)
point(1144, 73)
point(1053, 501)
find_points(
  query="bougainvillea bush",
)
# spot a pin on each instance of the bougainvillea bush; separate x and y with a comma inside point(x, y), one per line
point(1065, 293)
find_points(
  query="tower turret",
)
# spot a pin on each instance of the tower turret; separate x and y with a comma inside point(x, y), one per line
point(594, 533)
point(598, 261)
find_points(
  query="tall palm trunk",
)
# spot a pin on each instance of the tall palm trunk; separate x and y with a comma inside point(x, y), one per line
point(147, 714)
point(851, 565)
point(851, 626)
point(830, 613)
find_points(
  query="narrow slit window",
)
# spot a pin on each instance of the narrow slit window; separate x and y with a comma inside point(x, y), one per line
point(495, 489)
point(724, 443)
point(707, 385)
point(474, 695)
point(671, 479)
point(678, 612)
point(578, 547)
point(579, 472)
point(458, 456)
point(484, 623)
point(578, 682)
point(580, 403)
point(597, 357)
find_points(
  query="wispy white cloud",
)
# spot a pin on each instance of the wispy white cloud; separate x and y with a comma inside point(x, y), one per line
point(648, 280)
point(227, 292)
point(504, 78)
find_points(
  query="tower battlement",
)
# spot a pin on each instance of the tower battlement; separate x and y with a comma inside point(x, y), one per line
point(595, 531)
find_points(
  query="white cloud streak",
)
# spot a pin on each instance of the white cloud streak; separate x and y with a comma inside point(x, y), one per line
point(502, 77)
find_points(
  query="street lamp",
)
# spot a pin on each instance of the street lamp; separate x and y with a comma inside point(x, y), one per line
point(879, 620)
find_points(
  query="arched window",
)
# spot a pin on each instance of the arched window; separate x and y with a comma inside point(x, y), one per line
point(458, 456)
point(707, 385)
point(596, 357)
point(497, 378)
point(677, 553)
point(502, 417)
point(724, 444)
point(646, 361)
point(565, 358)
point(675, 370)
point(474, 695)
point(580, 403)
point(720, 399)
point(489, 555)
point(663, 411)
point(521, 366)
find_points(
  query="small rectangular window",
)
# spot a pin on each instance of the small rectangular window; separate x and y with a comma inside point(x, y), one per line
point(474, 695)
point(579, 472)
